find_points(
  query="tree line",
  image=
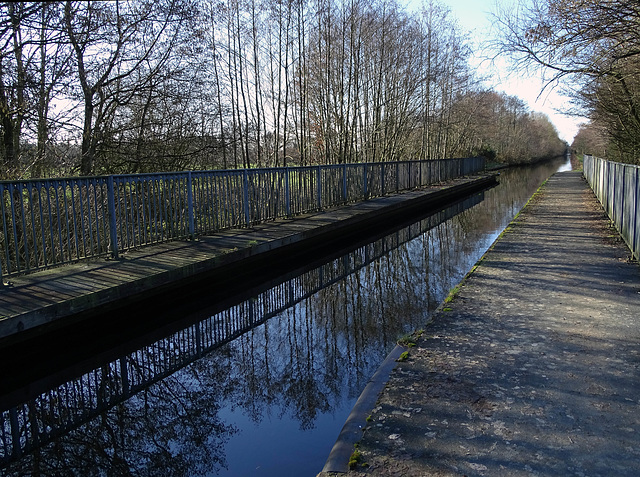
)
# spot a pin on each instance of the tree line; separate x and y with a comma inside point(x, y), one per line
point(157, 85)
point(593, 49)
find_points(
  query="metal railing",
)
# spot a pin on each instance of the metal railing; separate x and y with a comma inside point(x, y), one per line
point(53, 412)
point(617, 187)
point(58, 221)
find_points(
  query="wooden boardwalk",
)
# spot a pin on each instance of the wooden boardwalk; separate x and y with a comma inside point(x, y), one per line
point(34, 302)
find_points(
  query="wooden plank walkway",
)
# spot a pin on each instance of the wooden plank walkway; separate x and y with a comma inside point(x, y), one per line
point(30, 302)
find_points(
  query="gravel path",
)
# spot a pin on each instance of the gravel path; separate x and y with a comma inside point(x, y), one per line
point(533, 368)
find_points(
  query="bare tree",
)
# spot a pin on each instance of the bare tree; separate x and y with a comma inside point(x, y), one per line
point(594, 46)
point(13, 80)
point(33, 74)
point(113, 43)
point(177, 84)
point(590, 139)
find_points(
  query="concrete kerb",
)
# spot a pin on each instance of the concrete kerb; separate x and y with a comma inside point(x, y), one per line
point(351, 433)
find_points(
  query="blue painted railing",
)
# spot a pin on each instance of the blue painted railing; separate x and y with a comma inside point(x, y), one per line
point(49, 222)
point(617, 187)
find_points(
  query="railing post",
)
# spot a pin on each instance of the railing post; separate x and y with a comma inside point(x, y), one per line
point(601, 185)
point(612, 190)
point(319, 188)
point(124, 377)
point(198, 340)
point(2, 251)
point(344, 182)
point(608, 188)
point(634, 250)
point(287, 191)
point(192, 225)
point(15, 433)
point(245, 194)
point(382, 179)
point(622, 195)
point(113, 231)
point(365, 189)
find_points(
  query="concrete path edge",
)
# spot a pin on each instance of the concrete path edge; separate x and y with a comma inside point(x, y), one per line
point(351, 433)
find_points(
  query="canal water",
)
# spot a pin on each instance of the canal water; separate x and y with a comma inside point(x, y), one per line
point(262, 384)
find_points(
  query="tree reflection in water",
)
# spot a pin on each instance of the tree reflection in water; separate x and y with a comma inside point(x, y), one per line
point(170, 428)
point(306, 348)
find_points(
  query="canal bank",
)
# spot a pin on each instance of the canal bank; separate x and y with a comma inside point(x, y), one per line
point(532, 368)
point(63, 295)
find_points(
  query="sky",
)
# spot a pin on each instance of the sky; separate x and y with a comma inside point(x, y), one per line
point(474, 17)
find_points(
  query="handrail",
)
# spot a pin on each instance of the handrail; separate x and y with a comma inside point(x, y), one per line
point(617, 187)
point(50, 222)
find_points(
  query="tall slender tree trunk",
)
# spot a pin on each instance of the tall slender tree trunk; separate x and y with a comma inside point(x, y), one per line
point(8, 135)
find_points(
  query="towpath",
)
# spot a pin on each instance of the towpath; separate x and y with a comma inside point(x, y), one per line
point(533, 368)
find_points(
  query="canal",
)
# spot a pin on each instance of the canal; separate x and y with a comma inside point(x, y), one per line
point(258, 383)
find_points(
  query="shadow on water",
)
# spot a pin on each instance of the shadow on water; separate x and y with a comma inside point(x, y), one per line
point(258, 383)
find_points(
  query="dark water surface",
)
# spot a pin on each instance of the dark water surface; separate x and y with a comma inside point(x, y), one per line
point(262, 385)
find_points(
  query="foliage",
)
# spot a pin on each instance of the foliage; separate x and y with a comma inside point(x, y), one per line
point(156, 85)
point(410, 340)
point(501, 128)
point(452, 294)
point(355, 459)
point(591, 139)
point(594, 48)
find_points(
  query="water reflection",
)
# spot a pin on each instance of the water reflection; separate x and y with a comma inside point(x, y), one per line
point(568, 164)
point(131, 390)
point(262, 387)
